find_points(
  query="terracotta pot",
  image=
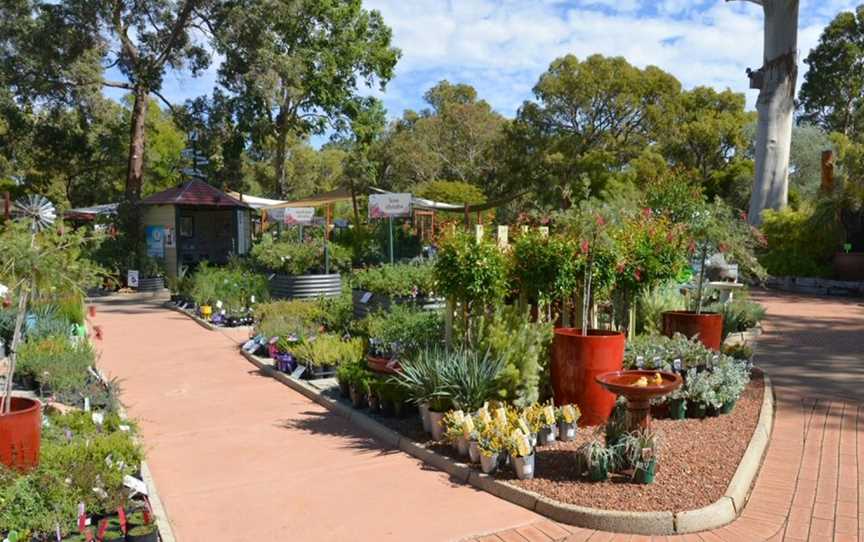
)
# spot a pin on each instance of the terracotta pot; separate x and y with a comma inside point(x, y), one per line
point(576, 361)
point(708, 326)
point(849, 266)
point(20, 434)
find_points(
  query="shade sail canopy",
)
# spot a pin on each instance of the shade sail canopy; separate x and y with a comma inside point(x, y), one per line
point(254, 201)
point(90, 213)
point(326, 198)
point(194, 193)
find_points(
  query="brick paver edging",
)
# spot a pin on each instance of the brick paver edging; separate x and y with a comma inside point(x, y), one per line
point(723, 511)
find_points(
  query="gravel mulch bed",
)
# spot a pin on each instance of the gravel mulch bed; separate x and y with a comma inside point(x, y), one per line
point(697, 461)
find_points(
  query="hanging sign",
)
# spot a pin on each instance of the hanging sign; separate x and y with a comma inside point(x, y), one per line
point(298, 216)
point(389, 205)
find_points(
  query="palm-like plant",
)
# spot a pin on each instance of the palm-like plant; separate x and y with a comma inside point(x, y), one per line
point(471, 377)
point(422, 377)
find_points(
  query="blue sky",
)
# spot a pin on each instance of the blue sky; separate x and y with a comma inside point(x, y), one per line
point(502, 46)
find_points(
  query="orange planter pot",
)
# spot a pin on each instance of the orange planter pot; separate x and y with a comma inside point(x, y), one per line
point(576, 361)
point(708, 326)
point(21, 434)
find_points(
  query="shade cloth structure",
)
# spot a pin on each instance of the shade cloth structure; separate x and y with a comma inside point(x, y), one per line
point(427, 204)
point(254, 201)
point(318, 200)
point(85, 214)
point(194, 193)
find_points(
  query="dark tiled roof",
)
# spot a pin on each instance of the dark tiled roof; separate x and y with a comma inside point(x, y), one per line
point(196, 193)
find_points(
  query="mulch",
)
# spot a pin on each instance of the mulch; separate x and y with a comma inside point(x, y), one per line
point(697, 460)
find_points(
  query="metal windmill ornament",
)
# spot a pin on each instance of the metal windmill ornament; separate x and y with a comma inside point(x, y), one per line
point(38, 210)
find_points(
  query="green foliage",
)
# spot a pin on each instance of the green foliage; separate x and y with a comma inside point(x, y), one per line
point(337, 313)
point(455, 192)
point(739, 315)
point(403, 330)
point(660, 352)
point(284, 318)
point(328, 350)
point(831, 94)
point(47, 322)
point(653, 251)
point(653, 302)
point(85, 464)
point(234, 285)
point(399, 280)
point(471, 272)
point(798, 243)
point(545, 267)
point(299, 258)
point(423, 378)
point(509, 334)
point(56, 363)
point(471, 378)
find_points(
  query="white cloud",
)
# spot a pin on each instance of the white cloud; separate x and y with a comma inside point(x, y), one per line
point(502, 47)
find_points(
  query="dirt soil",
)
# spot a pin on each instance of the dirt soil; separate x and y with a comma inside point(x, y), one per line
point(696, 463)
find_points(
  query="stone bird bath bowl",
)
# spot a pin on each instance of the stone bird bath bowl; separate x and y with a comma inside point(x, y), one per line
point(639, 397)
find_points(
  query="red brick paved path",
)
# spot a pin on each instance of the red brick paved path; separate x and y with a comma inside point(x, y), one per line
point(811, 486)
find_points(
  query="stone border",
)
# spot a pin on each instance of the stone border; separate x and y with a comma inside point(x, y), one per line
point(816, 286)
point(720, 513)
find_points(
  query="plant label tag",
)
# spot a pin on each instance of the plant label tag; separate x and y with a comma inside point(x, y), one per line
point(640, 362)
point(366, 297)
point(571, 432)
point(123, 427)
point(676, 365)
point(528, 469)
point(298, 372)
point(98, 418)
point(135, 484)
point(252, 299)
point(250, 345)
point(86, 404)
point(218, 304)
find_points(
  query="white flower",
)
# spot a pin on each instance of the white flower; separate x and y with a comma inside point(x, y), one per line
point(4, 290)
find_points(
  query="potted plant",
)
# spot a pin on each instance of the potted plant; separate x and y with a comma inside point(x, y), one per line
point(422, 378)
point(490, 445)
point(141, 528)
point(471, 429)
point(381, 288)
point(714, 228)
point(596, 460)
point(522, 454)
point(372, 397)
point(579, 354)
point(701, 385)
point(399, 333)
point(567, 416)
point(541, 423)
point(640, 449)
point(37, 258)
point(454, 430)
point(302, 270)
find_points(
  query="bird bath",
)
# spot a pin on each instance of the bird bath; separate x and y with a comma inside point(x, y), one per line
point(626, 383)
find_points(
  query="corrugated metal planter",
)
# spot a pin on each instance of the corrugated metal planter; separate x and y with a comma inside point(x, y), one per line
point(152, 284)
point(375, 302)
point(305, 286)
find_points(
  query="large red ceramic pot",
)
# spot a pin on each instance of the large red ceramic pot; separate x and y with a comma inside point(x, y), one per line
point(707, 325)
point(577, 360)
point(20, 434)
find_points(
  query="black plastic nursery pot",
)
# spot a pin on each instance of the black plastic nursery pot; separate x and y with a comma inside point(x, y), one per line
point(727, 407)
point(317, 372)
point(678, 409)
point(374, 402)
point(344, 389)
point(358, 399)
point(151, 536)
point(598, 472)
point(697, 410)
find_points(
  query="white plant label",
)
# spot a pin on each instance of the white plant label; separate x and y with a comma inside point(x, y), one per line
point(571, 432)
point(677, 364)
point(218, 304)
point(640, 362)
point(366, 297)
point(86, 404)
point(135, 484)
point(98, 418)
point(123, 427)
point(527, 469)
point(252, 299)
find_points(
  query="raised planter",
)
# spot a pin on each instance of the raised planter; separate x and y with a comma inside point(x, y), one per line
point(21, 434)
point(849, 266)
point(368, 302)
point(382, 365)
point(151, 284)
point(576, 361)
point(305, 286)
point(707, 325)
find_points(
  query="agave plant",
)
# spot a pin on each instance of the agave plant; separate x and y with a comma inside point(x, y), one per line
point(471, 377)
point(422, 378)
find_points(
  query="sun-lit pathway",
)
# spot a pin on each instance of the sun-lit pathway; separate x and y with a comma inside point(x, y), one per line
point(240, 457)
point(811, 486)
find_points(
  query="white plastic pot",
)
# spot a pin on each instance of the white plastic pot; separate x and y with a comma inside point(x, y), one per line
point(488, 463)
point(524, 467)
point(474, 451)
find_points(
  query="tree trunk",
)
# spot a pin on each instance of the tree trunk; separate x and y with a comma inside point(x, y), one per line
point(135, 171)
point(281, 157)
point(775, 105)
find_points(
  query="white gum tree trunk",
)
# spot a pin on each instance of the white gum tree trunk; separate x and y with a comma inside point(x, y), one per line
point(775, 105)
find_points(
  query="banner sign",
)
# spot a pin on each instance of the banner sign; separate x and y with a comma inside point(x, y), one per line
point(389, 205)
point(132, 278)
point(295, 216)
point(155, 241)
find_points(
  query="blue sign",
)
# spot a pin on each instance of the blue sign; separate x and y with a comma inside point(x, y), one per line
point(155, 241)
